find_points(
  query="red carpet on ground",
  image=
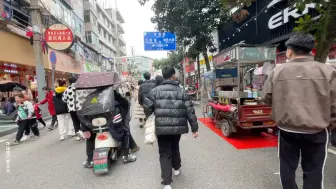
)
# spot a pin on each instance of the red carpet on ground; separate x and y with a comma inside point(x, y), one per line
point(244, 140)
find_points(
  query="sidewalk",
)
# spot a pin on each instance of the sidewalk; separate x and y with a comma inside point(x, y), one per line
point(9, 127)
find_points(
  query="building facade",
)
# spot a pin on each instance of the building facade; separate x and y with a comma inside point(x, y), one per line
point(90, 52)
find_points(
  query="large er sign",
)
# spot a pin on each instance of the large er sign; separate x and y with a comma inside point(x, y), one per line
point(282, 17)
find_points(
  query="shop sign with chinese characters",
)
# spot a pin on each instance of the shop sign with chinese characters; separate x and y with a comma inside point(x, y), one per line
point(59, 37)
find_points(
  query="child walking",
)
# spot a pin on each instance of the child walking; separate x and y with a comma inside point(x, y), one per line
point(38, 113)
point(25, 119)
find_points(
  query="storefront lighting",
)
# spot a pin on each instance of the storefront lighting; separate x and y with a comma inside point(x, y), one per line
point(11, 71)
point(265, 11)
point(255, 18)
point(233, 35)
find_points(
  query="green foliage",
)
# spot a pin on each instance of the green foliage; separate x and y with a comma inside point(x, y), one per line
point(191, 20)
point(323, 27)
point(174, 59)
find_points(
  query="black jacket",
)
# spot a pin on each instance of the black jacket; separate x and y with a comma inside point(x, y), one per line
point(144, 89)
point(172, 108)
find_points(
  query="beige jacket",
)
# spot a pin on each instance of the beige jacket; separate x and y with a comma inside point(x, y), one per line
point(303, 95)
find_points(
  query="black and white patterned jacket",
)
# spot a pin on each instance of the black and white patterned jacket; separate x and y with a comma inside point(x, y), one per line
point(69, 97)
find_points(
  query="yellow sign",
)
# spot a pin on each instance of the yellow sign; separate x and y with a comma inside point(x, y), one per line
point(94, 100)
point(203, 60)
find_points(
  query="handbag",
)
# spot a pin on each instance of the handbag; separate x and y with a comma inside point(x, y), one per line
point(150, 136)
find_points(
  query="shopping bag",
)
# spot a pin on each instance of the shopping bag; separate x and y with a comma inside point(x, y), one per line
point(150, 136)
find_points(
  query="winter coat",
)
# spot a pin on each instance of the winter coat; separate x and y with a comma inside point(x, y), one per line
point(144, 89)
point(69, 97)
point(37, 111)
point(172, 108)
point(49, 99)
point(60, 106)
point(138, 111)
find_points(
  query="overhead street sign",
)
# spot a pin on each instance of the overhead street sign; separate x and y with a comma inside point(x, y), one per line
point(157, 41)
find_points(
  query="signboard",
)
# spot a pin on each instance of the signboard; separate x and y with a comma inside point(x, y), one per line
point(202, 61)
point(226, 73)
point(226, 57)
point(157, 41)
point(91, 68)
point(190, 68)
point(283, 16)
point(59, 37)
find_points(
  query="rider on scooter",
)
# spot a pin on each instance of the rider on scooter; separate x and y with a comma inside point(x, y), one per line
point(119, 130)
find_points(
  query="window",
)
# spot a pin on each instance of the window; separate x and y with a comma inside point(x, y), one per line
point(87, 16)
point(62, 13)
point(88, 37)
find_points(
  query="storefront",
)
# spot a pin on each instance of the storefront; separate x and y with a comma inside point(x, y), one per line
point(269, 22)
point(65, 66)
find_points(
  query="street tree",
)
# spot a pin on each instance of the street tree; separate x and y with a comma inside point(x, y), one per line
point(324, 28)
point(193, 21)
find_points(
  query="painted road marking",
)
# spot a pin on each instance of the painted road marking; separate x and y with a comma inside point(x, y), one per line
point(332, 151)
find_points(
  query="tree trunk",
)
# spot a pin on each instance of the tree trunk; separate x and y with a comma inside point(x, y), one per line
point(198, 70)
point(207, 63)
point(328, 35)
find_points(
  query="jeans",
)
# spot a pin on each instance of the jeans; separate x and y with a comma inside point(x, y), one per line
point(170, 157)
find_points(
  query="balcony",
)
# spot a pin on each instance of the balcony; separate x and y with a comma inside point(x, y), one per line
point(89, 6)
point(121, 41)
point(89, 26)
point(121, 29)
point(123, 51)
point(119, 16)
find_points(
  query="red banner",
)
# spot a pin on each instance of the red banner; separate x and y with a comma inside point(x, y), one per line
point(190, 68)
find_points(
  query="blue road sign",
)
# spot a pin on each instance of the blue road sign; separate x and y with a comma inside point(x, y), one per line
point(53, 57)
point(157, 41)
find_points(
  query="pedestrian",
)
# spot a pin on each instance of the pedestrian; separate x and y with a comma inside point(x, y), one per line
point(51, 107)
point(65, 126)
point(302, 93)
point(9, 106)
point(69, 98)
point(144, 89)
point(25, 118)
point(38, 113)
point(158, 80)
point(138, 109)
point(171, 121)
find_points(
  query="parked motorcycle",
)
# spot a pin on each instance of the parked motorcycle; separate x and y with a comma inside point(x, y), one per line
point(192, 92)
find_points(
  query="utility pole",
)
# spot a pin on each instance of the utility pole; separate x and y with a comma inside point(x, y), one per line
point(132, 50)
point(37, 28)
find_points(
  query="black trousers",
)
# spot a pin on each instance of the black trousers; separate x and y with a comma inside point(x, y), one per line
point(24, 124)
point(128, 143)
point(75, 121)
point(41, 121)
point(169, 151)
point(53, 120)
point(314, 151)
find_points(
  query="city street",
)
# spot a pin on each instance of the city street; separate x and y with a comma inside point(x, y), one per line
point(208, 162)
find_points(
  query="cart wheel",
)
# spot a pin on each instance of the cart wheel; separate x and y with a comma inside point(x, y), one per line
point(226, 128)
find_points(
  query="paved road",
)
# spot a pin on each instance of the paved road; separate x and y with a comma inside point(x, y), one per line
point(208, 163)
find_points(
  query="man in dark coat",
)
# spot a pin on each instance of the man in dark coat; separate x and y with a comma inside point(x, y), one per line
point(145, 88)
point(173, 110)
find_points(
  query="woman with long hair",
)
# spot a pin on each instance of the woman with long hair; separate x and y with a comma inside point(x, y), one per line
point(138, 110)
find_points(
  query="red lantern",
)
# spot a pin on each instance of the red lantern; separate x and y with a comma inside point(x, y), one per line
point(34, 72)
point(18, 69)
point(9, 68)
point(3, 67)
point(24, 69)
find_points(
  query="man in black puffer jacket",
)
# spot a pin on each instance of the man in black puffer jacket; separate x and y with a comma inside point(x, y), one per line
point(145, 88)
point(173, 110)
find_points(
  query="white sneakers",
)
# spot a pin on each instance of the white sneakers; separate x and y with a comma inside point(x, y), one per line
point(25, 137)
point(167, 187)
point(62, 138)
point(176, 172)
